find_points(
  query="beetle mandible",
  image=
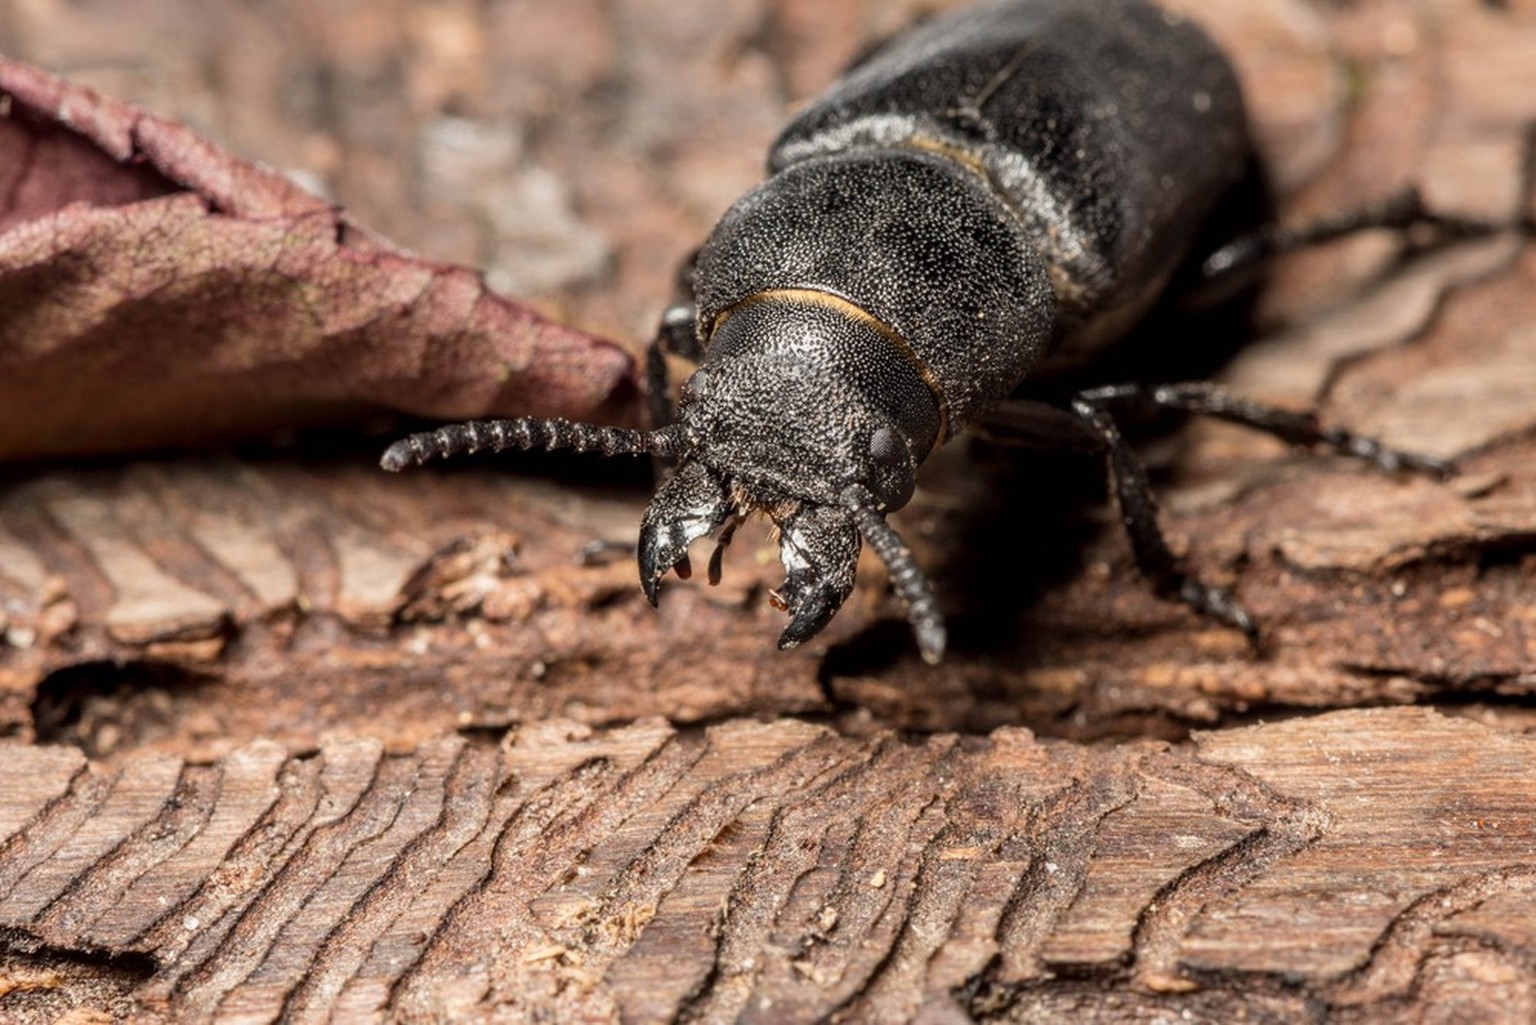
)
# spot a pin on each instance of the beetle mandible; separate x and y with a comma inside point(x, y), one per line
point(998, 191)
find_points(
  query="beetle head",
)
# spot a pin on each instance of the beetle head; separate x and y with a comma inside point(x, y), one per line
point(781, 422)
point(803, 416)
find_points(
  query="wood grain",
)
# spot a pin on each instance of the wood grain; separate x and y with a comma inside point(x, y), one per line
point(289, 739)
point(1356, 863)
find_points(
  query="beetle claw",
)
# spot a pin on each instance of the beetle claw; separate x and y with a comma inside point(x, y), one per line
point(809, 616)
point(819, 547)
point(690, 505)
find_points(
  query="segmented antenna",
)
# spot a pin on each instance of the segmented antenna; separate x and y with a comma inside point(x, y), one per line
point(528, 433)
point(908, 579)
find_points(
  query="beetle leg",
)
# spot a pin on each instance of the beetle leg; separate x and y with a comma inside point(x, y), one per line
point(1138, 513)
point(1028, 423)
point(1138, 509)
point(675, 335)
point(1239, 262)
point(1290, 426)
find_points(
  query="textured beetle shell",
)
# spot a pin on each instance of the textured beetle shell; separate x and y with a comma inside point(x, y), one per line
point(806, 375)
point(931, 253)
point(1009, 180)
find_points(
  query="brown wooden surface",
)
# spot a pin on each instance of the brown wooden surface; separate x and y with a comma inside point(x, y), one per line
point(287, 736)
point(1359, 865)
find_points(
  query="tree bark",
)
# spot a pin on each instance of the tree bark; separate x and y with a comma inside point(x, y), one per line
point(288, 738)
point(1354, 866)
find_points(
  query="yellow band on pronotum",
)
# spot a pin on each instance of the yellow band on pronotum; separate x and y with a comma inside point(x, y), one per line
point(855, 312)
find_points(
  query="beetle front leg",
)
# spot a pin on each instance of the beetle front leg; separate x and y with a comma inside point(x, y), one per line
point(676, 335)
point(1138, 514)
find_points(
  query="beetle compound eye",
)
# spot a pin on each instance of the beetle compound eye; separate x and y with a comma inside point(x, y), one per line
point(889, 474)
point(886, 448)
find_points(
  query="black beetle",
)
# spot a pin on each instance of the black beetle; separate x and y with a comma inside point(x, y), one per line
point(992, 195)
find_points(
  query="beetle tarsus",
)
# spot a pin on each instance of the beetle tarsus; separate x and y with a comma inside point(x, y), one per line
point(1218, 604)
point(1384, 457)
point(1138, 513)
